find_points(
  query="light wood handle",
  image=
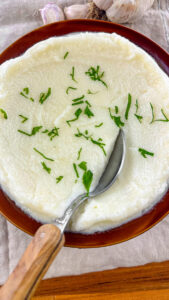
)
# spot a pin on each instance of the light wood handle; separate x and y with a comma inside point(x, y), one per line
point(34, 263)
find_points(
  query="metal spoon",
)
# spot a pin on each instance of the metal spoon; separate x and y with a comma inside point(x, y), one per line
point(108, 177)
point(49, 238)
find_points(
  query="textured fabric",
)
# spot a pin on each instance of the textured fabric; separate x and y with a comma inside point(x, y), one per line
point(18, 17)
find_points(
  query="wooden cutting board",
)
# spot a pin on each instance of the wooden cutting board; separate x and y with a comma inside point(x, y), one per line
point(149, 282)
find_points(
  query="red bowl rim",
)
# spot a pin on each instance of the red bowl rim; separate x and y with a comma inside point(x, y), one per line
point(134, 227)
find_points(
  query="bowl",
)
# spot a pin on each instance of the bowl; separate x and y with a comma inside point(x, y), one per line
point(134, 227)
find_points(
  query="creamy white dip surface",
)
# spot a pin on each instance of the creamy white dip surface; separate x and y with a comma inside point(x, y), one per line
point(118, 85)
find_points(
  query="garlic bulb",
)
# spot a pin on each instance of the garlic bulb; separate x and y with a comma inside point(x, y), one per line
point(123, 11)
point(103, 4)
point(78, 11)
point(51, 13)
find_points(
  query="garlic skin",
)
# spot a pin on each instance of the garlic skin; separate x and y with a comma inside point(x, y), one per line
point(103, 4)
point(78, 11)
point(51, 13)
point(124, 11)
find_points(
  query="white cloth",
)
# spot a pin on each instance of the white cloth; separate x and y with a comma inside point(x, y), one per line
point(18, 17)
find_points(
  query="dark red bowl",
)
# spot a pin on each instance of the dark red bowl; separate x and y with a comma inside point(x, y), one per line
point(133, 228)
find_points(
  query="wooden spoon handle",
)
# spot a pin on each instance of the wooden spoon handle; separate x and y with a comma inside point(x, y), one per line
point(34, 263)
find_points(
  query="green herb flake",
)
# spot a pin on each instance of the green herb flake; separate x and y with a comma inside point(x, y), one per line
point(91, 93)
point(24, 119)
point(77, 114)
point(45, 131)
point(3, 112)
point(100, 144)
point(80, 134)
point(25, 93)
point(136, 105)
point(128, 106)
point(34, 131)
point(87, 180)
point(83, 165)
point(77, 103)
point(88, 103)
point(116, 119)
point(72, 75)
point(88, 112)
point(43, 155)
point(58, 179)
point(75, 169)
point(54, 132)
point(26, 90)
point(89, 137)
point(94, 74)
point(152, 111)
point(139, 118)
point(70, 88)
point(79, 153)
point(78, 99)
point(99, 125)
point(66, 54)
point(116, 109)
point(44, 96)
point(48, 170)
point(145, 152)
point(165, 117)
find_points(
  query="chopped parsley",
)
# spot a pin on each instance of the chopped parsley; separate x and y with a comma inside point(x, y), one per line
point(165, 117)
point(158, 120)
point(72, 75)
point(88, 112)
point(54, 132)
point(77, 114)
point(91, 93)
point(33, 132)
point(45, 131)
point(43, 155)
point(145, 152)
point(3, 112)
point(79, 153)
point(80, 134)
point(48, 170)
point(87, 180)
point(66, 54)
point(94, 74)
point(70, 88)
point(99, 125)
point(98, 142)
point(75, 169)
point(139, 118)
point(24, 119)
point(78, 99)
point(116, 109)
point(44, 96)
point(116, 119)
point(87, 102)
point(83, 165)
point(58, 179)
point(152, 111)
point(25, 93)
point(128, 106)
point(78, 103)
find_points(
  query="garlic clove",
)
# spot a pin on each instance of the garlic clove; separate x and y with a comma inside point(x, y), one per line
point(76, 11)
point(51, 13)
point(125, 11)
point(103, 4)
